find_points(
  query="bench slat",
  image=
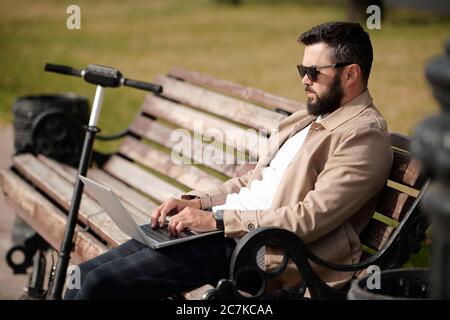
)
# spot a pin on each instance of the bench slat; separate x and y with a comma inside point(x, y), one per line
point(394, 203)
point(399, 141)
point(46, 218)
point(141, 180)
point(135, 202)
point(233, 89)
point(376, 234)
point(201, 123)
point(157, 132)
point(188, 175)
point(406, 170)
point(58, 189)
point(64, 170)
point(230, 108)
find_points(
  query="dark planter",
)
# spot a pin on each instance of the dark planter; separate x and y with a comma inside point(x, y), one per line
point(51, 124)
point(396, 284)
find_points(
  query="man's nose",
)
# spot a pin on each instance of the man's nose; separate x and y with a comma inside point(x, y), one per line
point(306, 81)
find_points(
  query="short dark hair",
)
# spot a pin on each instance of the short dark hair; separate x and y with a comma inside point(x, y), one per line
point(348, 42)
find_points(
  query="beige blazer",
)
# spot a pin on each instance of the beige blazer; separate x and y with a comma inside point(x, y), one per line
point(329, 191)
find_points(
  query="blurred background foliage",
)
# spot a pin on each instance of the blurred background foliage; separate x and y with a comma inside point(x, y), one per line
point(252, 42)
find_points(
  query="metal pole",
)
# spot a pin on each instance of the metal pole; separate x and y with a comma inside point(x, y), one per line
point(431, 145)
point(97, 106)
point(55, 291)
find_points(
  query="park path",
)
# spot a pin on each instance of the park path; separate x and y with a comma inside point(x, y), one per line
point(11, 286)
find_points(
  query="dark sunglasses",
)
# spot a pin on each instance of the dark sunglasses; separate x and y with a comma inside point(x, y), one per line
point(313, 71)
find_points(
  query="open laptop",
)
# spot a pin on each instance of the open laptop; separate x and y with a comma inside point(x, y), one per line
point(154, 238)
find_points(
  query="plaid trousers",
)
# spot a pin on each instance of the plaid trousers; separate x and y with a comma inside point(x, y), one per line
point(135, 271)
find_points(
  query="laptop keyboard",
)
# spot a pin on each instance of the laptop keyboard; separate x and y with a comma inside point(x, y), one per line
point(162, 234)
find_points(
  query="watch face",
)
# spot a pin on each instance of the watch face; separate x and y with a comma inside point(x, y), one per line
point(218, 215)
point(220, 225)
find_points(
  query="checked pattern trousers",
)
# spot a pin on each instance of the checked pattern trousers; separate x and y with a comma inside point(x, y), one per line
point(135, 271)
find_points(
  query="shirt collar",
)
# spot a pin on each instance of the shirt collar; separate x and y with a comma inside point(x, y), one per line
point(347, 111)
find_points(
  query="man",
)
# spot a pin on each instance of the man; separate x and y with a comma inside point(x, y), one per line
point(322, 184)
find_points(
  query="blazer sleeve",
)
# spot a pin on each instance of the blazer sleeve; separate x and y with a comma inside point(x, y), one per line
point(353, 175)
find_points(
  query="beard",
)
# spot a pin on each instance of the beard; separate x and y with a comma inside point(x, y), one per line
point(329, 101)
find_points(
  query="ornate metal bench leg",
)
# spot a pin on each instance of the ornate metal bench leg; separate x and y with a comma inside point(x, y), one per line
point(35, 289)
point(28, 249)
point(223, 291)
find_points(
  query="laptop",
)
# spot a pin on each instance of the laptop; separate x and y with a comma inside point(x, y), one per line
point(154, 238)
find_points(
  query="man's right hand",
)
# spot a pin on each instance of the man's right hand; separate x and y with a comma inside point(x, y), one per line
point(171, 207)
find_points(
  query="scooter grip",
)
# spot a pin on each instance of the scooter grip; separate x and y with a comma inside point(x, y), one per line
point(143, 85)
point(62, 69)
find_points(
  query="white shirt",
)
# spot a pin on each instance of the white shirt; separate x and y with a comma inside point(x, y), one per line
point(259, 194)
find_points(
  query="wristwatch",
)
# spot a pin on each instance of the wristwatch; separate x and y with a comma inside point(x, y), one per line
point(218, 216)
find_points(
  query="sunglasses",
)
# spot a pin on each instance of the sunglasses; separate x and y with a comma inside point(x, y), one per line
point(313, 71)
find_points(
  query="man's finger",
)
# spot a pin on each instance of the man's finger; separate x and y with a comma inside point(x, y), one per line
point(155, 216)
point(179, 227)
point(167, 207)
point(172, 226)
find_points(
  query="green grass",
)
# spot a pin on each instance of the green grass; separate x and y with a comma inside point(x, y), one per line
point(253, 44)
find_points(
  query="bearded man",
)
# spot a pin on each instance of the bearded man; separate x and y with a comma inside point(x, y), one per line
point(321, 183)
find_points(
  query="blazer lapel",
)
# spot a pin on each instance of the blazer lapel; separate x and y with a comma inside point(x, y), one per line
point(287, 129)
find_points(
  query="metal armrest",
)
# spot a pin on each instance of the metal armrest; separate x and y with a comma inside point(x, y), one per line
point(114, 136)
point(289, 241)
point(412, 224)
point(244, 266)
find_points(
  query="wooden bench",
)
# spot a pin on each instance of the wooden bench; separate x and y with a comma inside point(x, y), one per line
point(142, 174)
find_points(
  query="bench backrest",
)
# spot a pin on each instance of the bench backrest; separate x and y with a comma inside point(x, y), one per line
point(397, 208)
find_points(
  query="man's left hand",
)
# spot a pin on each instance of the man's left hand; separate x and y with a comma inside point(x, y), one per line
point(193, 219)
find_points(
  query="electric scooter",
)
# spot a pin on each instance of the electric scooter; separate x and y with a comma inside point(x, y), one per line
point(103, 77)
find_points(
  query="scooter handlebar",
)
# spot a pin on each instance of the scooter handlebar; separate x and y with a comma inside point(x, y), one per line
point(62, 69)
point(143, 85)
point(104, 76)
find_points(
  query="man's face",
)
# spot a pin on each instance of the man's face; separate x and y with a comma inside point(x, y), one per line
point(325, 94)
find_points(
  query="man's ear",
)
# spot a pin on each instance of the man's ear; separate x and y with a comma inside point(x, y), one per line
point(352, 74)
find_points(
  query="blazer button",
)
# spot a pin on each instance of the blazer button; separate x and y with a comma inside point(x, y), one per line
point(251, 226)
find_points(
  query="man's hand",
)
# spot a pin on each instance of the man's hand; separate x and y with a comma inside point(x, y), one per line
point(171, 207)
point(193, 219)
